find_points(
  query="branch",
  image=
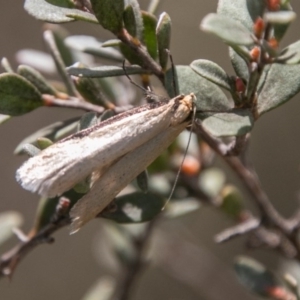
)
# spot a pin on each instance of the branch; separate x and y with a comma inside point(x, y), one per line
point(148, 62)
point(78, 104)
point(10, 260)
point(252, 184)
point(134, 269)
point(240, 229)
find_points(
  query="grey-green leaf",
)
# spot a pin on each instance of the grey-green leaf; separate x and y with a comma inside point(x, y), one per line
point(255, 276)
point(291, 54)
point(177, 208)
point(229, 30)
point(280, 17)
point(280, 85)
point(103, 289)
point(109, 14)
point(135, 208)
point(212, 72)
point(256, 8)
point(91, 45)
point(215, 109)
point(235, 123)
point(17, 95)
point(44, 11)
point(51, 42)
point(105, 71)
point(239, 64)
point(209, 95)
point(149, 33)
point(163, 35)
point(37, 79)
point(8, 221)
point(238, 11)
point(142, 181)
point(6, 65)
point(4, 118)
point(133, 21)
point(53, 132)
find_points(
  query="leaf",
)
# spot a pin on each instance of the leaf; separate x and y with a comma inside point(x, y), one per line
point(238, 11)
point(212, 72)
point(8, 221)
point(60, 34)
point(133, 19)
point(38, 60)
point(4, 118)
point(109, 14)
point(149, 33)
point(291, 54)
point(213, 107)
point(177, 208)
point(37, 79)
point(6, 65)
point(17, 95)
point(280, 29)
point(163, 35)
point(232, 201)
point(142, 181)
point(280, 85)
point(229, 30)
point(239, 64)
point(105, 71)
point(49, 38)
point(91, 45)
point(135, 208)
point(53, 132)
point(62, 3)
point(280, 17)
point(44, 11)
point(103, 289)
point(255, 276)
point(235, 123)
point(90, 90)
point(256, 8)
point(209, 95)
point(211, 181)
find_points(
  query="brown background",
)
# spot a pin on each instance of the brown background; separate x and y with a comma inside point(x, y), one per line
point(68, 268)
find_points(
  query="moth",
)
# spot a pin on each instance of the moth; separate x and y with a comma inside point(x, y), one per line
point(116, 151)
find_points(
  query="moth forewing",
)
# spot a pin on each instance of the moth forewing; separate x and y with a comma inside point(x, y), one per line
point(59, 167)
point(119, 175)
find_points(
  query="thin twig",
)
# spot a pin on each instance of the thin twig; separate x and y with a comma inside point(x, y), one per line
point(148, 62)
point(79, 104)
point(10, 259)
point(135, 268)
point(250, 181)
point(239, 229)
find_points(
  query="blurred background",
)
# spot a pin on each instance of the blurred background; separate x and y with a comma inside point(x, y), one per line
point(66, 269)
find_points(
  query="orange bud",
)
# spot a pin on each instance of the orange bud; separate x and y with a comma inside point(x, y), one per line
point(255, 53)
point(273, 5)
point(258, 27)
point(279, 293)
point(273, 43)
point(191, 166)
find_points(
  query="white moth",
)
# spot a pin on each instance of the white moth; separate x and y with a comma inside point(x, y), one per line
point(117, 150)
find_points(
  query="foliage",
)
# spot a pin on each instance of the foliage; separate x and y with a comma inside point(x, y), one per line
point(227, 107)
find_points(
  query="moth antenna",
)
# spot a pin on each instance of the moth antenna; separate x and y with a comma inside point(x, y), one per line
point(149, 94)
point(174, 83)
point(184, 156)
